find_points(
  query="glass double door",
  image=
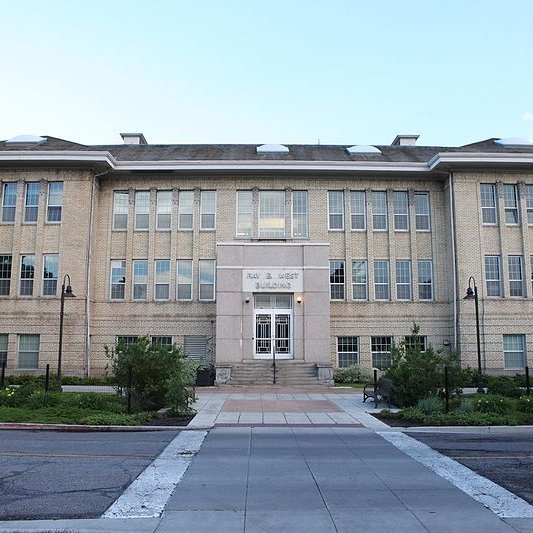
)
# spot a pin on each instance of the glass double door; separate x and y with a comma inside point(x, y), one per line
point(273, 334)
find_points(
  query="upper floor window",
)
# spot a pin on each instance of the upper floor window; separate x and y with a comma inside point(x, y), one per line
point(488, 203)
point(493, 275)
point(422, 211)
point(162, 279)
point(401, 211)
point(272, 214)
point(142, 210)
point(359, 280)
point(9, 202)
point(208, 208)
point(55, 202)
point(379, 210)
point(206, 272)
point(164, 210)
point(184, 287)
point(529, 201)
point(31, 202)
point(336, 279)
point(510, 194)
point(300, 213)
point(5, 274)
point(403, 279)
point(516, 277)
point(27, 275)
point(244, 213)
point(140, 279)
point(425, 279)
point(186, 210)
point(50, 274)
point(358, 209)
point(335, 210)
point(120, 209)
point(381, 279)
point(118, 280)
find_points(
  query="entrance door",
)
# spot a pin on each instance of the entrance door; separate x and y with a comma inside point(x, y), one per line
point(273, 327)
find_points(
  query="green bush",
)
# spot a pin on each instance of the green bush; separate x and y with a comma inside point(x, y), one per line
point(492, 404)
point(525, 404)
point(8, 397)
point(352, 374)
point(116, 419)
point(39, 399)
point(94, 401)
point(503, 385)
point(458, 418)
point(160, 376)
point(430, 405)
point(466, 405)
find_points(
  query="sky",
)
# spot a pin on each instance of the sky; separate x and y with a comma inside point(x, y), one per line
point(267, 71)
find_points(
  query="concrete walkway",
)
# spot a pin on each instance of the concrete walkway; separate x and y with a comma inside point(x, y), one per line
point(277, 460)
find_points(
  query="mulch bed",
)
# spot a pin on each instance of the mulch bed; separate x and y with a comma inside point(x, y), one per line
point(170, 421)
point(396, 421)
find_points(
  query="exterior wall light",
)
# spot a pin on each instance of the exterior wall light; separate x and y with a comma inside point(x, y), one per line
point(299, 299)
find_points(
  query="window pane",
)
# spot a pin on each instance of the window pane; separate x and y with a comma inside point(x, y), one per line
point(403, 280)
point(358, 210)
point(162, 279)
point(140, 279)
point(381, 280)
point(3, 349)
point(514, 351)
point(381, 351)
point(347, 351)
point(9, 202)
point(118, 280)
point(401, 211)
point(27, 275)
point(244, 213)
point(425, 280)
point(492, 275)
point(31, 202)
point(510, 194)
point(5, 274)
point(529, 199)
point(207, 209)
point(55, 201)
point(379, 210)
point(164, 209)
point(186, 210)
point(299, 214)
point(207, 279)
point(120, 210)
point(359, 280)
point(422, 210)
point(336, 210)
point(28, 356)
point(50, 274)
point(142, 210)
point(184, 279)
point(272, 214)
point(516, 287)
point(488, 204)
point(336, 279)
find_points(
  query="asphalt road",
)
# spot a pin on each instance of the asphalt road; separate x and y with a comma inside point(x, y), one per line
point(47, 475)
point(505, 458)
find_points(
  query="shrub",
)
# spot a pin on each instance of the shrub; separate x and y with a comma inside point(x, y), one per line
point(492, 404)
point(91, 400)
point(503, 385)
point(39, 399)
point(430, 405)
point(116, 419)
point(160, 376)
point(352, 374)
point(8, 397)
point(458, 418)
point(525, 404)
point(466, 405)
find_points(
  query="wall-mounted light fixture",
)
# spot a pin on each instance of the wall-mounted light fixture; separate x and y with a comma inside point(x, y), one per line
point(299, 299)
point(446, 342)
point(247, 299)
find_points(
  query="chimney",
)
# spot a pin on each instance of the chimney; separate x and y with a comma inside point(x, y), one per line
point(133, 138)
point(405, 140)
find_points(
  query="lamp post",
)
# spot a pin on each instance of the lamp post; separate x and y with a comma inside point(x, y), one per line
point(66, 292)
point(471, 294)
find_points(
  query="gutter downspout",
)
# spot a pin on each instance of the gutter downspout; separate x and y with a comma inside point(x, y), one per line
point(87, 277)
point(454, 254)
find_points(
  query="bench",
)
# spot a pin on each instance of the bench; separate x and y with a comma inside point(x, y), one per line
point(382, 391)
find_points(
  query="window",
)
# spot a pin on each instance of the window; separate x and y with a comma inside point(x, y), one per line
point(516, 278)
point(50, 274)
point(162, 340)
point(272, 214)
point(403, 279)
point(336, 210)
point(31, 202)
point(379, 210)
point(488, 204)
point(336, 279)
point(358, 210)
point(510, 195)
point(381, 280)
point(118, 280)
point(401, 211)
point(300, 213)
point(529, 201)
point(493, 275)
point(184, 279)
point(55, 201)
point(381, 351)
point(208, 207)
point(514, 351)
point(425, 279)
point(140, 279)
point(127, 339)
point(3, 349)
point(195, 347)
point(206, 268)
point(422, 211)
point(359, 280)
point(164, 210)
point(162, 279)
point(347, 351)
point(27, 275)
point(9, 202)
point(28, 352)
point(5, 275)
point(120, 209)
point(186, 210)
point(416, 342)
point(142, 210)
point(244, 213)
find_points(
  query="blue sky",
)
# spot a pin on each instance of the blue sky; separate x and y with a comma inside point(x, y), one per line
point(246, 71)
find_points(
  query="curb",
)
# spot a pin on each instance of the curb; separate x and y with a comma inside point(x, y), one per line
point(81, 428)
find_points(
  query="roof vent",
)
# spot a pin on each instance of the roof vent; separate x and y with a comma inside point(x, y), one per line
point(405, 140)
point(272, 149)
point(133, 138)
point(363, 149)
point(26, 139)
point(514, 141)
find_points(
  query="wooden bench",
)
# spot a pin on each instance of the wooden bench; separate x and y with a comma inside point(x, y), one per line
point(381, 392)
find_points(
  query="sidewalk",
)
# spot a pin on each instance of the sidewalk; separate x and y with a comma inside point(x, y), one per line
point(307, 460)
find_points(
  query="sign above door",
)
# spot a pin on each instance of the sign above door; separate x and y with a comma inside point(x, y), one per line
point(273, 280)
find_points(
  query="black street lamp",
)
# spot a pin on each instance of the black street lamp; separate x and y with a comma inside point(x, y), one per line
point(472, 295)
point(65, 293)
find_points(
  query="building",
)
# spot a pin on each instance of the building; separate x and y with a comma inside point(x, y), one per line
point(315, 256)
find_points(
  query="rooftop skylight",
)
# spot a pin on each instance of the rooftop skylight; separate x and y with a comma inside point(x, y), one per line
point(272, 149)
point(514, 141)
point(26, 139)
point(363, 149)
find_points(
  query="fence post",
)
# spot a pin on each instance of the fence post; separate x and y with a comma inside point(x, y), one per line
point(446, 389)
point(130, 380)
point(3, 375)
point(47, 379)
point(527, 381)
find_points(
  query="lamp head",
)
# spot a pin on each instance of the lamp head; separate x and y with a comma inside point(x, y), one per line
point(469, 294)
point(68, 292)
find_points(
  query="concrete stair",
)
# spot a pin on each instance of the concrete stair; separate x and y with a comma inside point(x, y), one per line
point(288, 372)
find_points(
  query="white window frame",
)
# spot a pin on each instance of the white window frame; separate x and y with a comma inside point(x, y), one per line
point(422, 215)
point(25, 279)
point(179, 280)
point(334, 266)
point(4, 344)
point(357, 200)
point(121, 209)
point(3, 272)
point(513, 207)
point(139, 279)
point(206, 266)
point(185, 209)
point(27, 352)
point(355, 278)
point(343, 343)
point(57, 204)
point(529, 203)
point(142, 209)
point(275, 215)
point(11, 207)
point(44, 290)
point(208, 208)
point(163, 210)
point(34, 207)
point(400, 214)
point(162, 279)
point(297, 216)
point(379, 214)
point(381, 283)
point(379, 353)
point(516, 281)
point(411, 341)
point(402, 281)
point(422, 284)
point(241, 232)
point(489, 213)
point(490, 280)
point(332, 213)
point(510, 351)
point(158, 339)
point(113, 266)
